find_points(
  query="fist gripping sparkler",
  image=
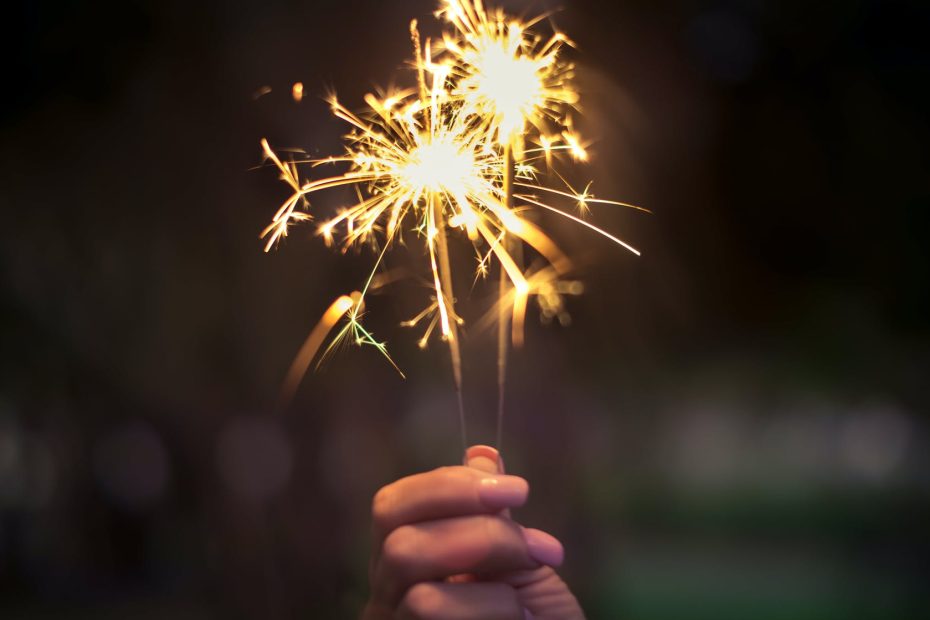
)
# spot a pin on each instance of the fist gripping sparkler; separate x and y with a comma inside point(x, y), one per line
point(460, 154)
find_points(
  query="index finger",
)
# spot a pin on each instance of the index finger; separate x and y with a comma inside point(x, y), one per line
point(442, 493)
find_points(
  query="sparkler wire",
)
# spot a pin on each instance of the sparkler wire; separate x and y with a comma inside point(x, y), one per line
point(447, 156)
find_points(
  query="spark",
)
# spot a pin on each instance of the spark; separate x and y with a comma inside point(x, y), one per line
point(506, 75)
point(440, 161)
point(342, 306)
point(577, 149)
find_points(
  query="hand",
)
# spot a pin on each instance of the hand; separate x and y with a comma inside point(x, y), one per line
point(446, 549)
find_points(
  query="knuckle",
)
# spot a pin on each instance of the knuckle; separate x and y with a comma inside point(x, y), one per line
point(397, 548)
point(382, 504)
point(422, 601)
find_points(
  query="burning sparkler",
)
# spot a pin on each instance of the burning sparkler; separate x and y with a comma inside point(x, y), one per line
point(461, 152)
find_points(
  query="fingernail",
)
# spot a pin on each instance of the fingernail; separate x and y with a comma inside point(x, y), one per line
point(503, 491)
point(484, 458)
point(543, 547)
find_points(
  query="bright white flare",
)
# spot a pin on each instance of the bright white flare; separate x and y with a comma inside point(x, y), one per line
point(506, 75)
point(442, 166)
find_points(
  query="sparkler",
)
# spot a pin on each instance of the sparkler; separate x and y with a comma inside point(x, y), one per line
point(459, 153)
point(508, 79)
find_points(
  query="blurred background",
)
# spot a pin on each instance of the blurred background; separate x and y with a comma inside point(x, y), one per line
point(735, 425)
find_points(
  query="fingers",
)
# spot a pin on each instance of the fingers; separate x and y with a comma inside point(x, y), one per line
point(460, 601)
point(445, 548)
point(441, 493)
point(544, 595)
point(435, 550)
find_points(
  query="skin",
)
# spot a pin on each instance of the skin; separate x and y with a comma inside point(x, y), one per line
point(445, 548)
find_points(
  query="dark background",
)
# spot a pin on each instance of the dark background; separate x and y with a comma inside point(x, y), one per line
point(734, 426)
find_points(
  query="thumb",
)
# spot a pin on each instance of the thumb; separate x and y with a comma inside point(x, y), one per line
point(542, 593)
point(488, 460)
point(484, 458)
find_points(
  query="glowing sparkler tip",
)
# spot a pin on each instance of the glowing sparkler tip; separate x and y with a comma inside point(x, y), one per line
point(445, 157)
point(441, 166)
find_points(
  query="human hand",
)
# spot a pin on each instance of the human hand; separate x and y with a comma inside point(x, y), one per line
point(446, 549)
